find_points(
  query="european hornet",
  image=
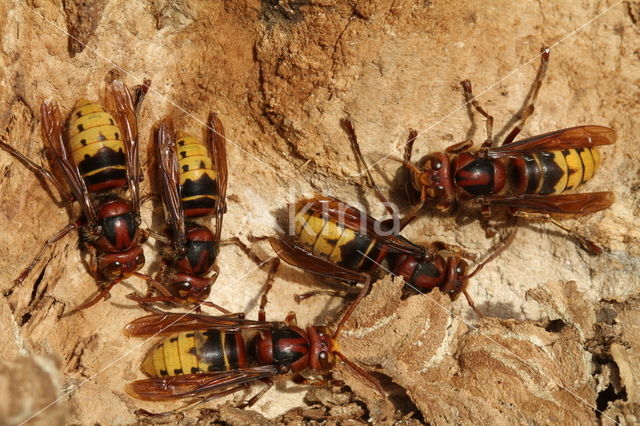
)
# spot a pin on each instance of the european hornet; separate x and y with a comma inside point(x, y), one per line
point(98, 157)
point(193, 184)
point(336, 240)
point(213, 356)
point(529, 175)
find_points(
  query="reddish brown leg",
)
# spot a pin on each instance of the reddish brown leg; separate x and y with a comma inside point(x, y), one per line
point(143, 303)
point(275, 263)
point(146, 301)
point(215, 269)
point(439, 245)
point(291, 319)
point(531, 98)
point(102, 294)
point(54, 239)
point(361, 372)
point(167, 297)
point(497, 251)
point(38, 169)
point(348, 126)
point(160, 288)
point(269, 384)
point(92, 263)
point(250, 253)
point(213, 305)
point(158, 237)
point(459, 147)
point(347, 314)
point(156, 282)
point(143, 235)
point(234, 315)
point(411, 170)
point(139, 94)
point(468, 96)
point(489, 230)
point(586, 244)
point(155, 285)
point(472, 304)
point(413, 213)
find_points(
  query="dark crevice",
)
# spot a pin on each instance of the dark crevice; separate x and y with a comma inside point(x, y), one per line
point(399, 398)
point(36, 285)
point(25, 319)
point(606, 396)
point(555, 326)
point(633, 10)
point(276, 11)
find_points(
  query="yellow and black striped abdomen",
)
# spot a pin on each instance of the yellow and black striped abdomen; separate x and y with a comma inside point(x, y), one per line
point(332, 241)
point(553, 172)
point(197, 176)
point(95, 141)
point(194, 352)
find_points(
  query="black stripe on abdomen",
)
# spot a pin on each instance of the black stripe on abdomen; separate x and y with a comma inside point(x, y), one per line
point(353, 252)
point(212, 351)
point(551, 172)
point(112, 172)
point(204, 185)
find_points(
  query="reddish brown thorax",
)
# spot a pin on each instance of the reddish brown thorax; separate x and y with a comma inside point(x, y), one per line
point(119, 225)
point(292, 349)
point(200, 253)
point(422, 273)
point(287, 348)
point(119, 253)
point(444, 270)
point(476, 175)
point(187, 280)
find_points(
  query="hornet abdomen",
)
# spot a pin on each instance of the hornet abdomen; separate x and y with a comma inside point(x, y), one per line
point(332, 241)
point(194, 352)
point(553, 172)
point(543, 173)
point(97, 148)
point(197, 177)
